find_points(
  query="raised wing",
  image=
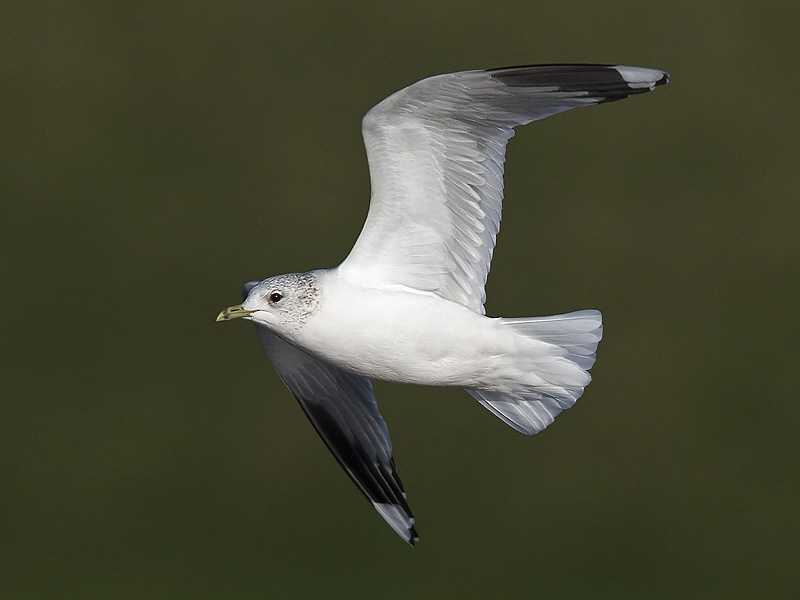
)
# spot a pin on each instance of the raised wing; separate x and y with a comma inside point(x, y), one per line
point(436, 151)
point(343, 410)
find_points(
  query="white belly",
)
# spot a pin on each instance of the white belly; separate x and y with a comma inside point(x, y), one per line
point(406, 337)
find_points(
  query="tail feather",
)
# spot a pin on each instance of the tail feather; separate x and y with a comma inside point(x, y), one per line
point(527, 415)
point(563, 371)
point(577, 332)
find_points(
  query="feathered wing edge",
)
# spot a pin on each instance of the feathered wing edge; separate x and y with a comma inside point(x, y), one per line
point(344, 411)
point(436, 151)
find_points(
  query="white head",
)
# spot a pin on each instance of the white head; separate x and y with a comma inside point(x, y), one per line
point(281, 303)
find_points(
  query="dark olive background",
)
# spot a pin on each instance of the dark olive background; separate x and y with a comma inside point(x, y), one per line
point(157, 155)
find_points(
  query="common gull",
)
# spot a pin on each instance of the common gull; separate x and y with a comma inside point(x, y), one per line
point(407, 304)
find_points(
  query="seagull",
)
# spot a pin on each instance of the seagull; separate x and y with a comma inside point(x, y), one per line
point(407, 304)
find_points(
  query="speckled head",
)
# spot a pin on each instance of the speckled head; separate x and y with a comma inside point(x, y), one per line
point(283, 302)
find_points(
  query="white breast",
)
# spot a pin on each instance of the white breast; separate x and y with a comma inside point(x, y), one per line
point(403, 336)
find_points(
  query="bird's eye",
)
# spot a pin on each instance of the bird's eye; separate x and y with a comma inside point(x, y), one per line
point(275, 297)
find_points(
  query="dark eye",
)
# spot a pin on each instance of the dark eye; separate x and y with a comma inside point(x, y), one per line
point(275, 297)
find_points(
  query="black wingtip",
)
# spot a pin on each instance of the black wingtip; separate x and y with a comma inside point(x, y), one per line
point(602, 83)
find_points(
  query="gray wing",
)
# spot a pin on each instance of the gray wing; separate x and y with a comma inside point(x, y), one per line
point(343, 409)
point(436, 151)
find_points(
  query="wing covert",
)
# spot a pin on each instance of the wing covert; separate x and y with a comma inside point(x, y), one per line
point(436, 151)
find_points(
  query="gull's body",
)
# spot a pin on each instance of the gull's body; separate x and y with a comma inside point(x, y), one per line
point(398, 336)
point(405, 337)
point(407, 303)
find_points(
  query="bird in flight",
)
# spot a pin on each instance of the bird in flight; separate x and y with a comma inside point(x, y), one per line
point(407, 304)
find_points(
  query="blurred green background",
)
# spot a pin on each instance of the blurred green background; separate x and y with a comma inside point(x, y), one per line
point(156, 155)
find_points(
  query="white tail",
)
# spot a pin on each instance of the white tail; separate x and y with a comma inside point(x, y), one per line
point(564, 371)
